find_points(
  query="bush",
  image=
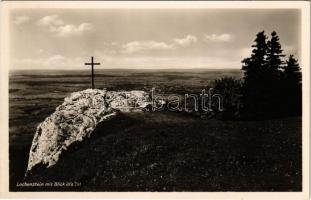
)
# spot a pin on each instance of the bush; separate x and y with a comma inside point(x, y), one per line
point(230, 90)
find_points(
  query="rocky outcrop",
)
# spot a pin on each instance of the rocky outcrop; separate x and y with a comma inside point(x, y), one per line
point(76, 119)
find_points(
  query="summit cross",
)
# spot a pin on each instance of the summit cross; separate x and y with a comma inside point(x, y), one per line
point(92, 64)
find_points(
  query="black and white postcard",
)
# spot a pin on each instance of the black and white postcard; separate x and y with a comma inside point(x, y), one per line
point(184, 99)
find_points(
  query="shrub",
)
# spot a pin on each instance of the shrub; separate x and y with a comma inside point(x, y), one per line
point(230, 90)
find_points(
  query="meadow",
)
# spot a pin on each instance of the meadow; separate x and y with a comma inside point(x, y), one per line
point(153, 151)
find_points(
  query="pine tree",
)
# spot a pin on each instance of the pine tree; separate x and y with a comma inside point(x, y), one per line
point(253, 68)
point(270, 88)
point(292, 87)
point(273, 74)
point(256, 62)
point(292, 71)
point(274, 57)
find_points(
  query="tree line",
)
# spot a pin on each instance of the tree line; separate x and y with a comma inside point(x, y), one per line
point(271, 85)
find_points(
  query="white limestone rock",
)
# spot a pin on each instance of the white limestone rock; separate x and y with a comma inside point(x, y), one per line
point(76, 118)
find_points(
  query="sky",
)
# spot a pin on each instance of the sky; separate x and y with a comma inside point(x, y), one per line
point(145, 38)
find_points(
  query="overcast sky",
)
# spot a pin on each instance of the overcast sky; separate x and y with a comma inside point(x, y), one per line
point(146, 38)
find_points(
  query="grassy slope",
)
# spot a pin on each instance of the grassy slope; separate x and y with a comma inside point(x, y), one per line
point(154, 151)
point(171, 152)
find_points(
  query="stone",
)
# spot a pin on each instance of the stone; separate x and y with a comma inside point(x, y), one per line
point(76, 118)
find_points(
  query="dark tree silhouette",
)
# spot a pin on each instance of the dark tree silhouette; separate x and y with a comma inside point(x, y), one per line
point(270, 89)
point(292, 86)
point(292, 72)
point(253, 68)
point(274, 58)
point(273, 75)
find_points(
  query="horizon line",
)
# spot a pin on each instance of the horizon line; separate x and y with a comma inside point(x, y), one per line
point(157, 69)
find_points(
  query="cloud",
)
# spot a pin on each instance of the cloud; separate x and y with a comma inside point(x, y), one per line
point(52, 62)
point(218, 38)
point(126, 61)
point(56, 25)
point(55, 60)
point(138, 46)
point(177, 62)
point(21, 20)
point(70, 29)
point(52, 20)
point(184, 42)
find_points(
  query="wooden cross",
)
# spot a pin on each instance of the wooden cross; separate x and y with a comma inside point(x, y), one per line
point(92, 63)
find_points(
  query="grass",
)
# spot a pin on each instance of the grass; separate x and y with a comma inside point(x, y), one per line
point(172, 152)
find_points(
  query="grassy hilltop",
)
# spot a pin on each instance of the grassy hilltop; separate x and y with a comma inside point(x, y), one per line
point(154, 151)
